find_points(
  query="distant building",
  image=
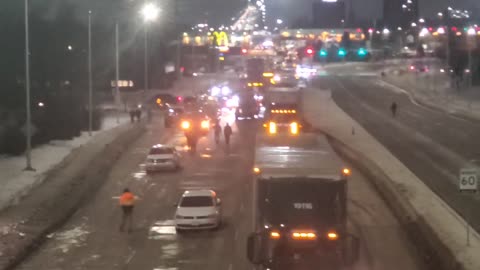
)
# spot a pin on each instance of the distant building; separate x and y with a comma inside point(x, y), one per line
point(400, 13)
point(329, 14)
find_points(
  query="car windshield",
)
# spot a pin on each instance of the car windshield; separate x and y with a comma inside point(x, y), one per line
point(161, 151)
point(196, 201)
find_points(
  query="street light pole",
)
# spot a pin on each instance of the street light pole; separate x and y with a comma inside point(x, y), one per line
point(117, 71)
point(90, 88)
point(146, 58)
point(28, 124)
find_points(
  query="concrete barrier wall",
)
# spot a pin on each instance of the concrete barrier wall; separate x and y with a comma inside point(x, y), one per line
point(63, 192)
point(428, 244)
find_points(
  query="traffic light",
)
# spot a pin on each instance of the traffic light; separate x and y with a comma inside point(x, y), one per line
point(323, 53)
point(309, 51)
point(342, 52)
point(362, 52)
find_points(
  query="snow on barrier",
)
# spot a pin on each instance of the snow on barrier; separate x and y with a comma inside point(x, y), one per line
point(55, 201)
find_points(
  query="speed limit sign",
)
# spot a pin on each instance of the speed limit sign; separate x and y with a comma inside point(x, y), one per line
point(468, 179)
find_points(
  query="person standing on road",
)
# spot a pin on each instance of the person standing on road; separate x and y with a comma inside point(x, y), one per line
point(393, 108)
point(227, 132)
point(218, 131)
point(127, 202)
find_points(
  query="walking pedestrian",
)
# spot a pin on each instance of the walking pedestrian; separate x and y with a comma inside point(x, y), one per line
point(127, 202)
point(227, 132)
point(393, 108)
point(218, 131)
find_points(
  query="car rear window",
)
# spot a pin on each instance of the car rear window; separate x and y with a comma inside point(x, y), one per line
point(196, 201)
point(160, 151)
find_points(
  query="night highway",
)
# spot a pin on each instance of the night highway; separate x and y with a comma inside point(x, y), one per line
point(91, 238)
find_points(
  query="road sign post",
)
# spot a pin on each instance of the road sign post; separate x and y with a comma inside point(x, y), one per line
point(468, 183)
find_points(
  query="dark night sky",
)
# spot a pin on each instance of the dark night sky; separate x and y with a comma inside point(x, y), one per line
point(219, 11)
point(365, 9)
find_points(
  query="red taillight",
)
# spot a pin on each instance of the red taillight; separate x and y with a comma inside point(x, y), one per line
point(179, 99)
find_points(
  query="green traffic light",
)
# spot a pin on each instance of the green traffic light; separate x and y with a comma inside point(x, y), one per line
point(323, 53)
point(362, 52)
point(342, 52)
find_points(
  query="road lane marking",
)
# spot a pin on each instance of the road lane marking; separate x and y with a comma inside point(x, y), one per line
point(230, 267)
point(130, 257)
point(235, 236)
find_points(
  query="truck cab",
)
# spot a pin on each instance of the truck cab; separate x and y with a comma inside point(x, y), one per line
point(300, 207)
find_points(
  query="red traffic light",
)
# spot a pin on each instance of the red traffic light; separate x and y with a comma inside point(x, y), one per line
point(244, 51)
point(179, 98)
point(309, 51)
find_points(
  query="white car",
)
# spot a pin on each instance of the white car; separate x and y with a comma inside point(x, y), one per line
point(162, 157)
point(198, 209)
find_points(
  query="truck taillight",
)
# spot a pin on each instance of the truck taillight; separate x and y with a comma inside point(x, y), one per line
point(304, 235)
point(272, 128)
point(274, 235)
point(294, 128)
point(332, 236)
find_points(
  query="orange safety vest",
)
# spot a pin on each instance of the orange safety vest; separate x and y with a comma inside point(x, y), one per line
point(127, 199)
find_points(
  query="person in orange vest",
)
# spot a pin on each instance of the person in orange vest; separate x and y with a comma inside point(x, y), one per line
point(127, 202)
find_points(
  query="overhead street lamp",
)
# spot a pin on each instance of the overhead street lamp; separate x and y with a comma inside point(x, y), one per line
point(149, 14)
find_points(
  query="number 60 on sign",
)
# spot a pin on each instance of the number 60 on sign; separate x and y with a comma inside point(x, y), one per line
point(468, 180)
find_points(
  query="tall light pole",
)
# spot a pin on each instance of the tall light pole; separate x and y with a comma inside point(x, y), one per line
point(117, 70)
point(28, 123)
point(471, 43)
point(90, 86)
point(149, 13)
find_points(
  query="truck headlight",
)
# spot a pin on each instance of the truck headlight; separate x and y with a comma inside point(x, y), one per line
point(294, 128)
point(205, 124)
point(185, 125)
point(272, 128)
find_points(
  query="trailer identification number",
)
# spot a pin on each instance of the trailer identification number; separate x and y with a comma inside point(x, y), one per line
point(307, 206)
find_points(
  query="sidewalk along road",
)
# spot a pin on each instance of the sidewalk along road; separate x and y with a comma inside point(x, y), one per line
point(91, 240)
point(431, 144)
point(435, 91)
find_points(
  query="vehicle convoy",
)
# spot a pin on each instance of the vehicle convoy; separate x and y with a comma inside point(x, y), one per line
point(283, 111)
point(195, 125)
point(300, 207)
